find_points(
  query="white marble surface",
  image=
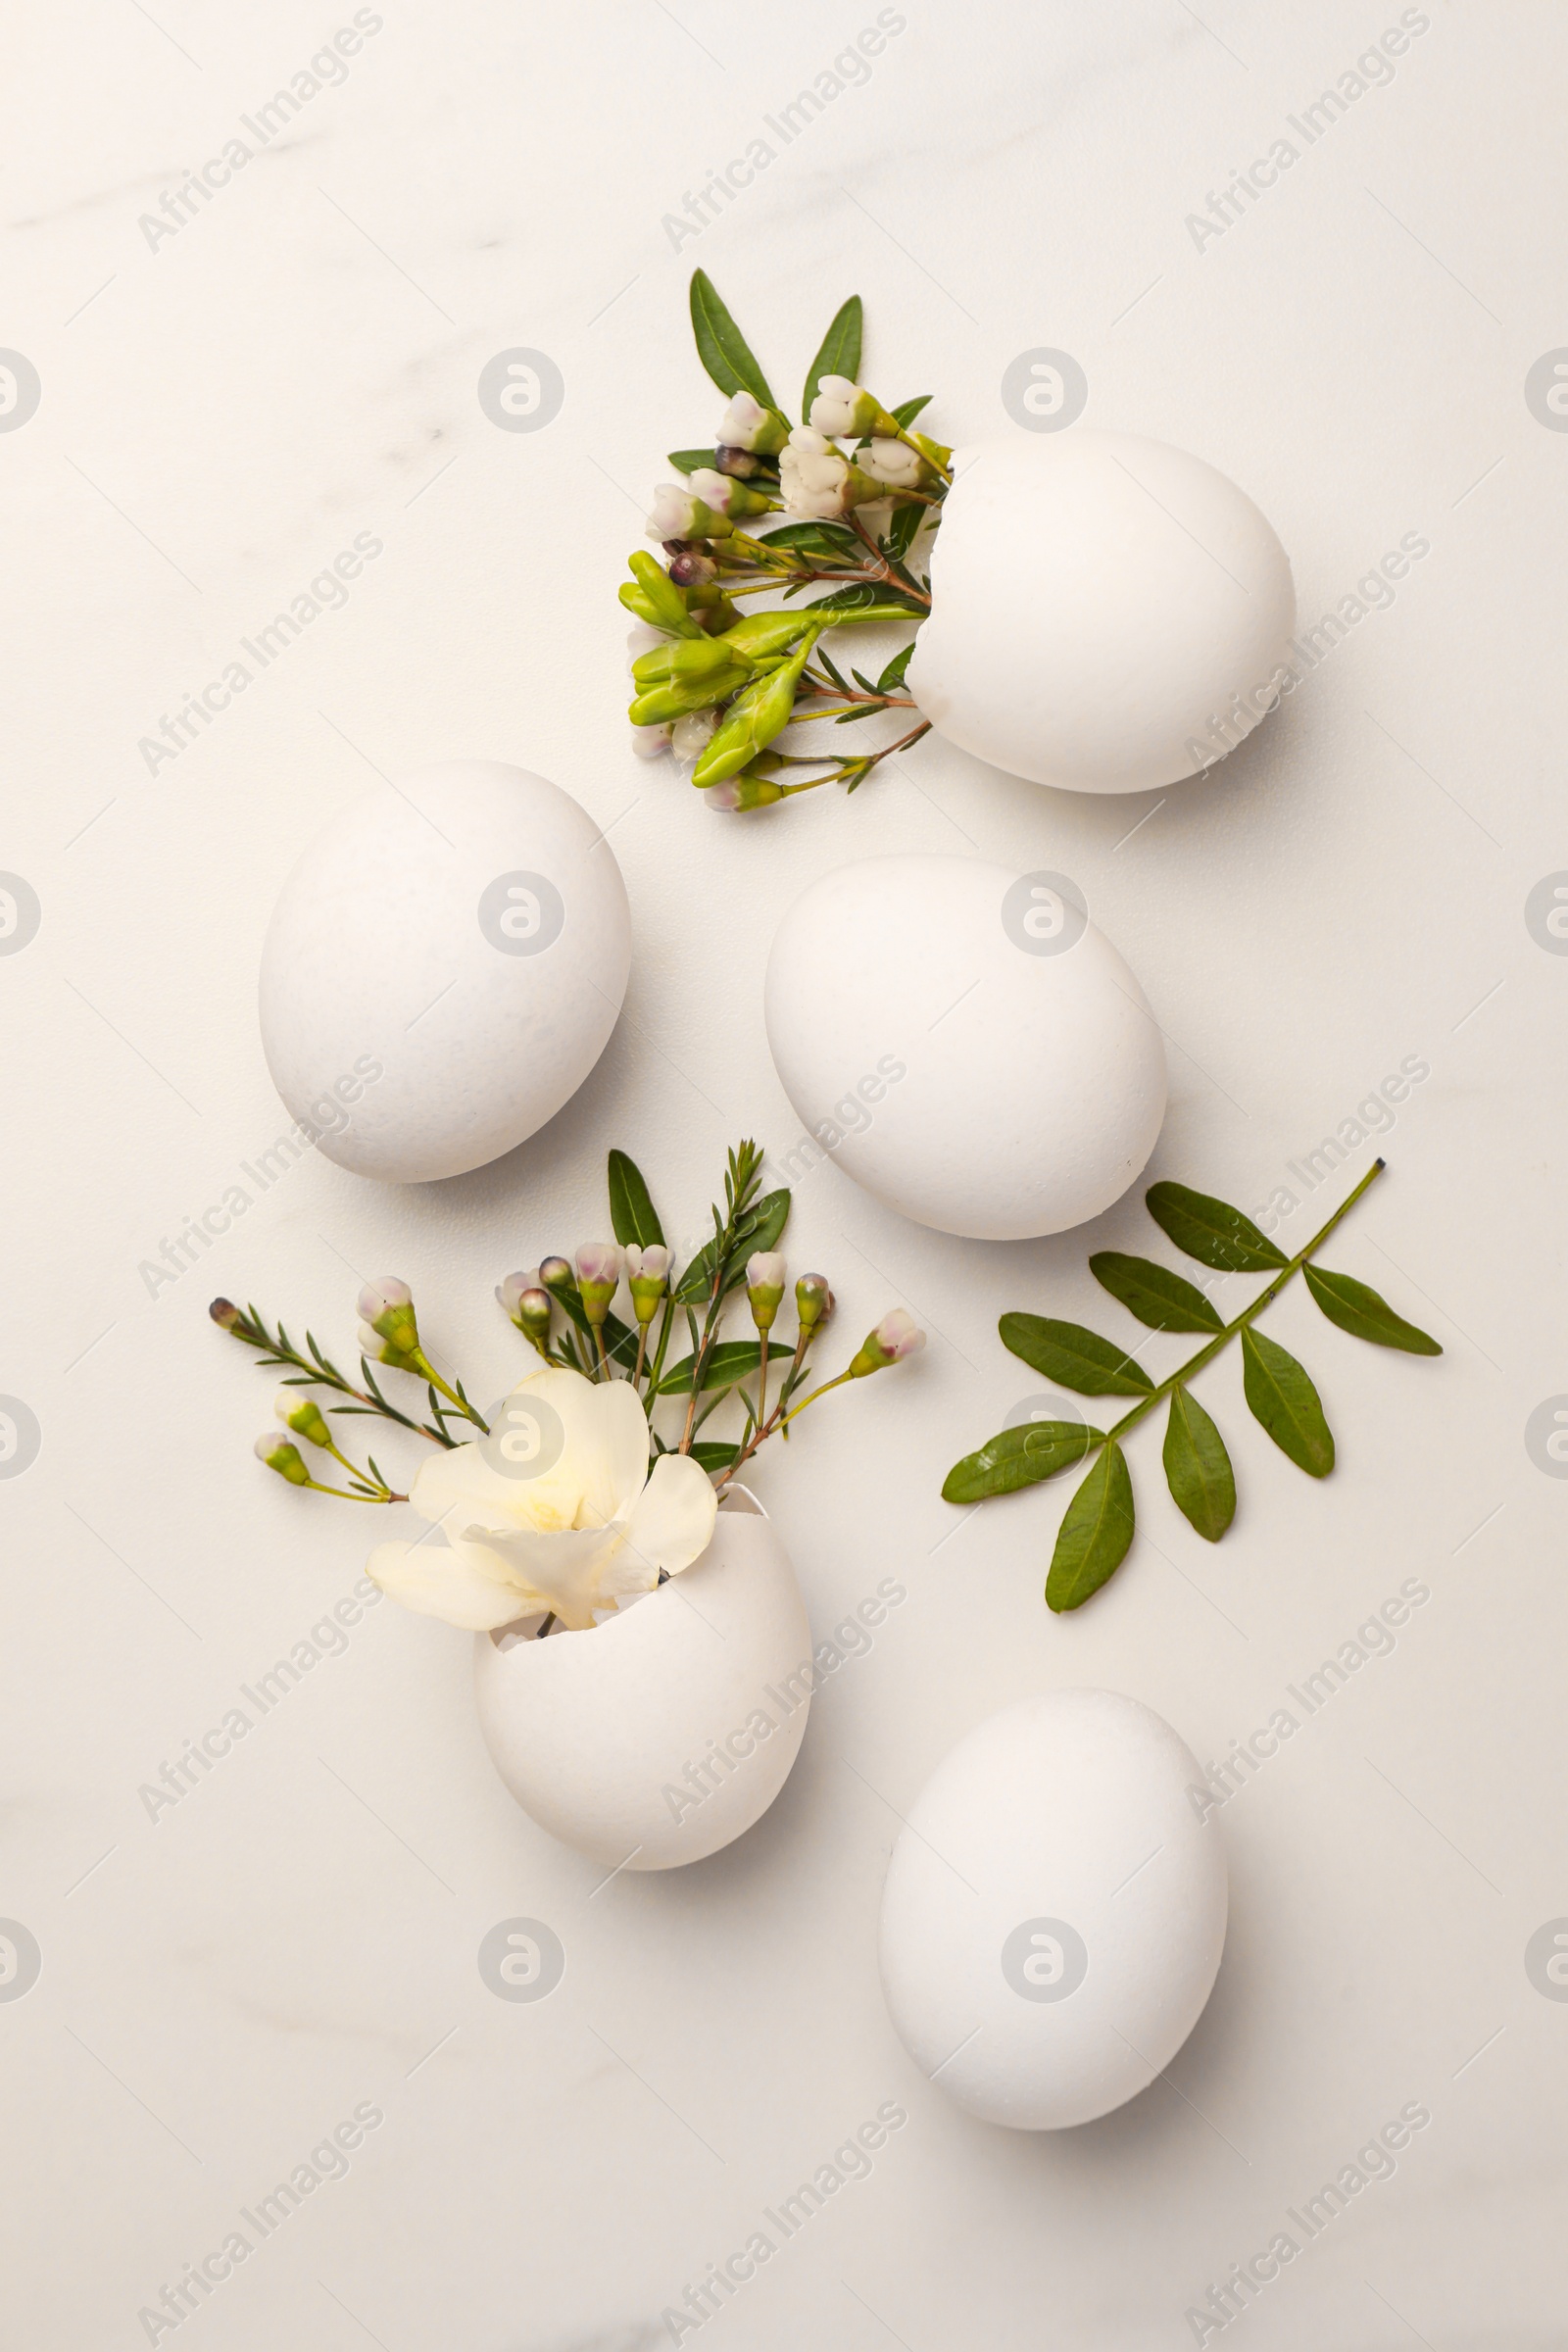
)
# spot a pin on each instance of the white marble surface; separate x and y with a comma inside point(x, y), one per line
point(220, 416)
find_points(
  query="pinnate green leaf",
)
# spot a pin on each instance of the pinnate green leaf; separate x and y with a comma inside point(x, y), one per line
point(1079, 1358)
point(840, 353)
point(1211, 1231)
point(721, 346)
point(1095, 1533)
point(1020, 1458)
point(1283, 1397)
point(1157, 1297)
point(1198, 1468)
point(631, 1210)
point(1359, 1310)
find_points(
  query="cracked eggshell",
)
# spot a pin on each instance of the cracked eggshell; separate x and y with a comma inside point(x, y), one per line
point(1055, 1911)
point(596, 1733)
point(442, 970)
point(1099, 601)
point(965, 1064)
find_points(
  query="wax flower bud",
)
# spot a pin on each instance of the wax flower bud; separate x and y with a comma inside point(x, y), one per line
point(303, 1416)
point(748, 790)
point(653, 595)
point(727, 496)
point(897, 464)
point(738, 462)
point(689, 570)
point(846, 410)
point(598, 1265)
point(758, 714)
point(557, 1276)
point(763, 636)
point(814, 1301)
point(651, 743)
point(745, 425)
point(646, 1274)
point(527, 1306)
point(387, 1307)
point(692, 733)
point(896, 1336)
point(817, 482)
point(224, 1313)
point(676, 513)
point(282, 1454)
point(765, 1286)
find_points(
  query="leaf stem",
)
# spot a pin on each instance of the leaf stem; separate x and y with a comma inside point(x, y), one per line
point(1249, 1314)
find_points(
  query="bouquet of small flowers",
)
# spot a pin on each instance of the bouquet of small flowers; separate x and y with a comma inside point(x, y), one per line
point(590, 1483)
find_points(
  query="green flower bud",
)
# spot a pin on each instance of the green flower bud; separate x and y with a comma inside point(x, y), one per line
point(895, 1336)
point(667, 605)
point(765, 1286)
point(282, 1454)
point(814, 1301)
point(224, 1313)
point(745, 791)
point(758, 714)
point(648, 1275)
point(747, 425)
point(689, 658)
point(303, 1416)
point(387, 1308)
point(762, 636)
point(661, 703)
point(598, 1268)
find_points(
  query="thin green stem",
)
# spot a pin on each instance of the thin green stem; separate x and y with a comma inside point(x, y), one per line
point(1249, 1314)
point(343, 1495)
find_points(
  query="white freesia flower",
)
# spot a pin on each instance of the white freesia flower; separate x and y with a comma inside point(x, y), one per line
point(569, 1517)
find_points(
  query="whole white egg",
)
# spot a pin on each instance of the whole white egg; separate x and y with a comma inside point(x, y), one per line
point(1055, 1911)
point(963, 1042)
point(1107, 613)
point(443, 968)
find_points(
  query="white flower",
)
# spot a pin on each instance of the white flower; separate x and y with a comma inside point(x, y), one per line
point(841, 407)
point(747, 424)
point(813, 478)
point(896, 463)
point(694, 730)
point(715, 490)
point(569, 1519)
point(649, 743)
point(674, 514)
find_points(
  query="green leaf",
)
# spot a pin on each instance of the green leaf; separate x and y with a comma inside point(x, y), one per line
point(1020, 1458)
point(1198, 1468)
point(721, 346)
point(688, 461)
point(908, 409)
point(1211, 1231)
point(1164, 1301)
point(893, 675)
point(715, 1455)
point(758, 1229)
point(840, 353)
point(869, 601)
point(731, 1360)
point(631, 1212)
point(1363, 1314)
point(1284, 1400)
point(1080, 1359)
point(1095, 1534)
point(816, 539)
point(898, 536)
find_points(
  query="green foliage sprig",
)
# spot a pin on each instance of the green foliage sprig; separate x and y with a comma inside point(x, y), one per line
point(1097, 1529)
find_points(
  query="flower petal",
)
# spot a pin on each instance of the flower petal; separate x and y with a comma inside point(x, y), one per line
point(564, 1572)
point(671, 1524)
point(438, 1583)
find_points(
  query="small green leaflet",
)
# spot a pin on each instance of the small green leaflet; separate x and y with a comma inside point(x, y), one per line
point(816, 539)
point(721, 346)
point(715, 1455)
point(1080, 1359)
point(893, 676)
point(1284, 1400)
point(908, 411)
point(1198, 1467)
point(1095, 1533)
point(840, 353)
point(1020, 1458)
point(687, 461)
point(898, 536)
point(1211, 1231)
point(1363, 1314)
point(631, 1212)
point(1164, 1301)
point(758, 1229)
point(730, 1361)
point(870, 602)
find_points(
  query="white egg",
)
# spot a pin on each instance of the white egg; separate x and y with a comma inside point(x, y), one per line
point(1107, 613)
point(1055, 1911)
point(662, 1734)
point(963, 1040)
point(443, 968)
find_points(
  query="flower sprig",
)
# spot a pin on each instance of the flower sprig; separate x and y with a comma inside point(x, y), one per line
point(1097, 1529)
point(856, 485)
